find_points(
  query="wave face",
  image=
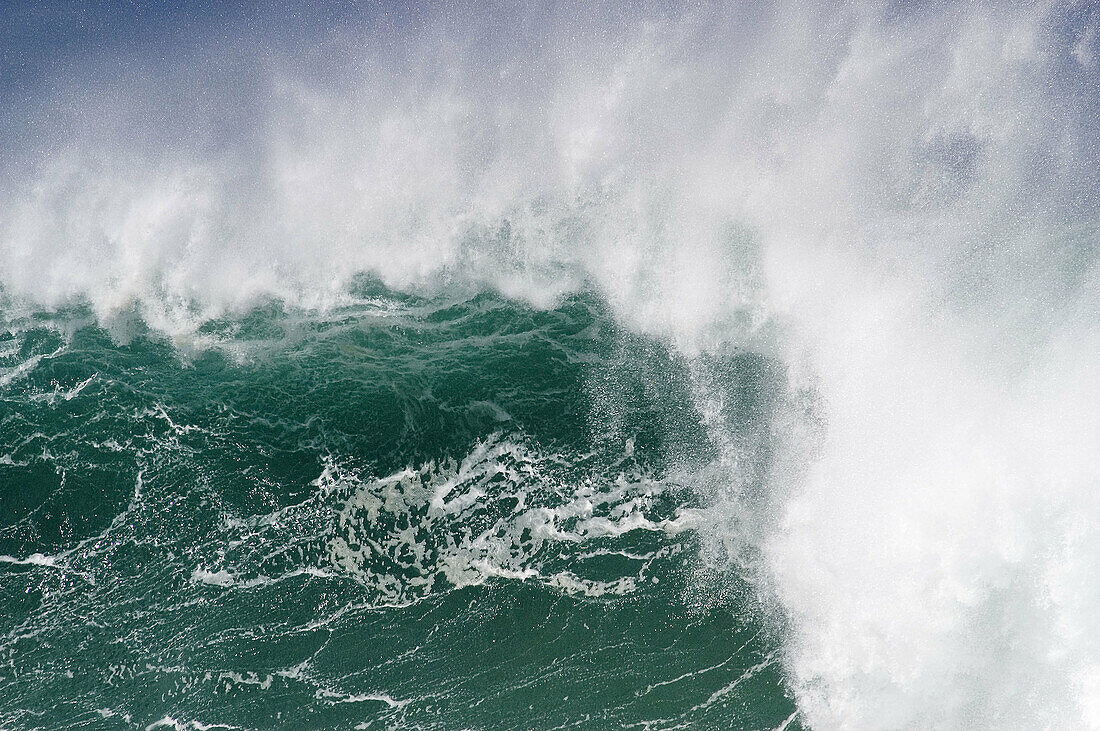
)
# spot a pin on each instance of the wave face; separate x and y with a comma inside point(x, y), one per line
point(396, 515)
point(706, 366)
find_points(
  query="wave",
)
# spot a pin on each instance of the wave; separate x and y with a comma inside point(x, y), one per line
point(896, 202)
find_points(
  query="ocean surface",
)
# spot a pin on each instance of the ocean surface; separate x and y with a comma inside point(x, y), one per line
point(474, 366)
point(406, 513)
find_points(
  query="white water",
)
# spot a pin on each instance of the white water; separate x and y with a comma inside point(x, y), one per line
point(503, 511)
point(897, 201)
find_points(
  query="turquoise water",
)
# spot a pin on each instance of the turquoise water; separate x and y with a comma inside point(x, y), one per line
point(448, 513)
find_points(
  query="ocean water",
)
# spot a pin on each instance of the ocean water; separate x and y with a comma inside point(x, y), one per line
point(400, 514)
point(474, 366)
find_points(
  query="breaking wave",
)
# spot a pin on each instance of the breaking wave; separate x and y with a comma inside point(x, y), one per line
point(892, 205)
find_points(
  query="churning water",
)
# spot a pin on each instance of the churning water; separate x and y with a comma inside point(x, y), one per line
point(477, 367)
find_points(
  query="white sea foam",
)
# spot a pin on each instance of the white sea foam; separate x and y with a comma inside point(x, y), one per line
point(214, 578)
point(334, 697)
point(35, 559)
point(503, 512)
point(895, 200)
point(184, 725)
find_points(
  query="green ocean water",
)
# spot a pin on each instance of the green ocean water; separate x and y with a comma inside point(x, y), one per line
point(455, 512)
